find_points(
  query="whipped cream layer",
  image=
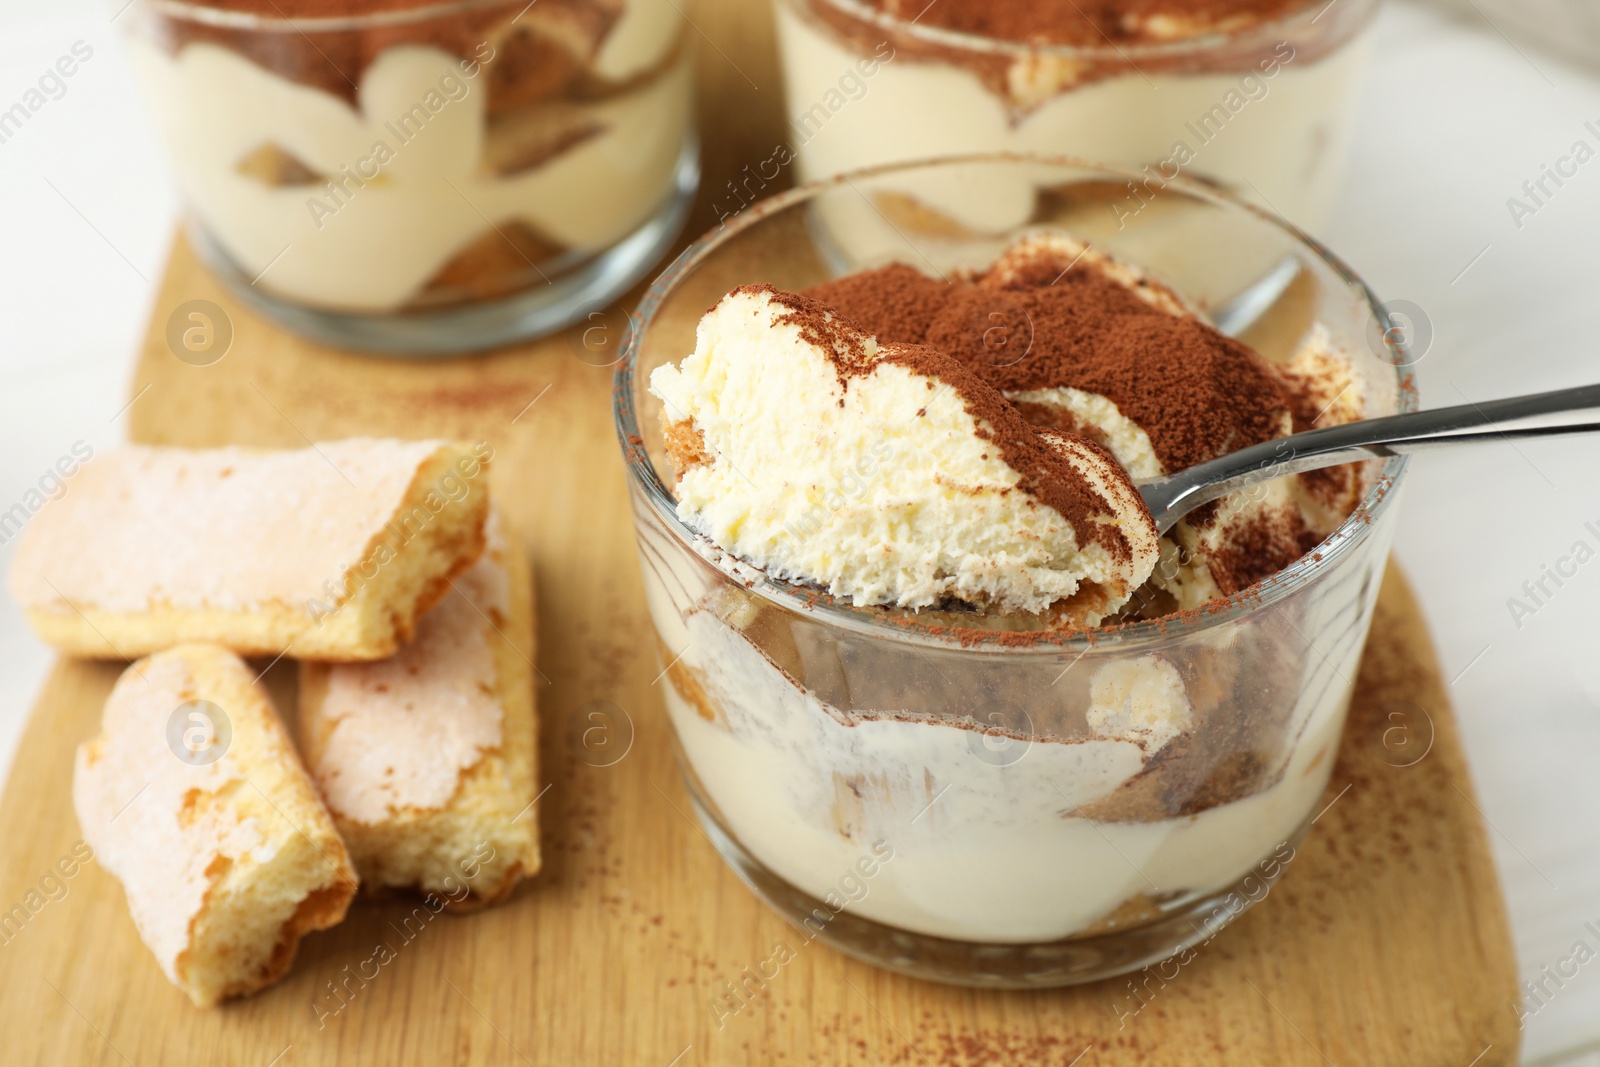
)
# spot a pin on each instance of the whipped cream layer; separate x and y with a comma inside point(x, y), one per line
point(887, 473)
point(1095, 347)
point(420, 170)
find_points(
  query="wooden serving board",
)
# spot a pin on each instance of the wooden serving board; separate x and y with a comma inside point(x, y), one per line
point(1385, 943)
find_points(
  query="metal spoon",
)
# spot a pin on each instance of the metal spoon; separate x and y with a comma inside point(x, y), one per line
point(1563, 411)
point(1240, 312)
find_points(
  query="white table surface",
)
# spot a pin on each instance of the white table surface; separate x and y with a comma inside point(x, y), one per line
point(1454, 119)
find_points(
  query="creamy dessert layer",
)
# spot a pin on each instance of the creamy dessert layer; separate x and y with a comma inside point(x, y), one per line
point(1005, 840)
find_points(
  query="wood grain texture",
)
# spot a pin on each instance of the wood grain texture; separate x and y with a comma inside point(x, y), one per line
point(1385, 943)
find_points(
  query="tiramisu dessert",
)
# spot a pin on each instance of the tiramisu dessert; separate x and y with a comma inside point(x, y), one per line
point(383, 155)
point(1255, 94)
point(954, 461)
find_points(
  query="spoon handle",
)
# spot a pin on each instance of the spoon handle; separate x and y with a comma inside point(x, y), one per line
point(1562, 411)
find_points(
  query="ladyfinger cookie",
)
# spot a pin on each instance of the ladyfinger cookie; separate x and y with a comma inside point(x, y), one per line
point(331, 552)
point(427, 761)
point(193, 798)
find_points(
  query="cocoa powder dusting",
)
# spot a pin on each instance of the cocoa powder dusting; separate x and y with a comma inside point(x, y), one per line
point(1259, 548)
point(893, 303)
point(1195, 392)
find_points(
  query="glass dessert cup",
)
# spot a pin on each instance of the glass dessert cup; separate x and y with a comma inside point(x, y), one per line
point(929, 794)
point(1265, 110)
point(432, 179)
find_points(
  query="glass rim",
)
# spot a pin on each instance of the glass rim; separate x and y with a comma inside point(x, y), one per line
point(942, 37)
point(209, 15)
point(819, 604)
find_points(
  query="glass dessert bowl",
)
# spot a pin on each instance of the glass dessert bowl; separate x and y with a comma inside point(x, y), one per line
point(1257, 95)
point(1077, 749)
point(408, 176)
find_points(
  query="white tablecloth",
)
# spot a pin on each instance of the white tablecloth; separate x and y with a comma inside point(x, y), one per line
point(1455, 119)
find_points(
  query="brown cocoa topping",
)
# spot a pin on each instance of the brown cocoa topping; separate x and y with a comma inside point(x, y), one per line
point(1258, 548)
point(1195, 392)
point(893, 303)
